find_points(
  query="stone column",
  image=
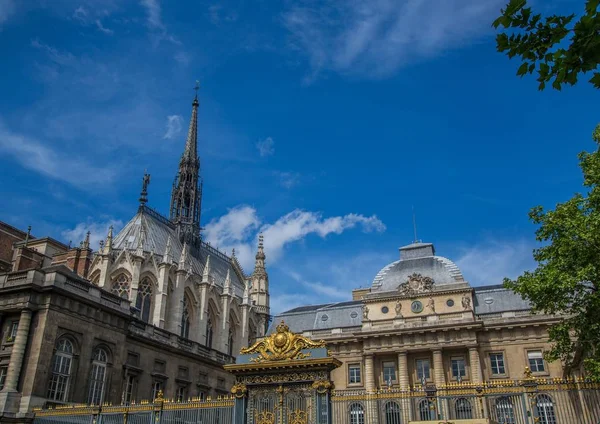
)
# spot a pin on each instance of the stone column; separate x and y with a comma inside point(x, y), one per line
point(403, 371)
point(160, 298)
point(475, 363)
point(369, 374)
point(18, 352)
point(439, 376)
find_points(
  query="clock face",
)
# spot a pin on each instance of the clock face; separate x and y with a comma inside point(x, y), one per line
point(416, 307)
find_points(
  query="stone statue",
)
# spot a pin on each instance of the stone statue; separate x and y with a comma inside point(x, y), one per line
point(466, 302)
point(398, 308)
point(431, 305)
point(365, 312)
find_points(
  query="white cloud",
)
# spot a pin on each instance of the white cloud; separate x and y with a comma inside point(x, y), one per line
point(98, 231)
point(81, 14)
point(102, 28)
point(174, 126)
point(378, 37)
point(7, 9)
point(298, 224)
point(488, 262)
point(34, 155)
point(266, 147)
point(153, 11)
point(239, 227)
point(288, 179)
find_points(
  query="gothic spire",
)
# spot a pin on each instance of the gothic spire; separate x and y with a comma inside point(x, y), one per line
point(109, 240)
point(186, 196)
point(259, 264)
point(168, 257)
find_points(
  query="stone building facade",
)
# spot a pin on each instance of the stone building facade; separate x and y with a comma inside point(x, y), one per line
point(154, 309)
point(421, 323)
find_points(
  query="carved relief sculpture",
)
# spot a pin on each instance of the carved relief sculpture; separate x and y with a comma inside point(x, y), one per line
point(282, 345)
point(416, 284)
point(466, 302)
point(398, 309)
point(431, 305)
point(365, 313)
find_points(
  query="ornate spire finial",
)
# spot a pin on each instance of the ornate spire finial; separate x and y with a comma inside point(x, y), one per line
point(144, 193)
point(168, 257)
point(260, 253)
point(86, 242)
point(183, 257)
point(28, 235)
point(107, 248)
point(196, 88)
point(206, 272)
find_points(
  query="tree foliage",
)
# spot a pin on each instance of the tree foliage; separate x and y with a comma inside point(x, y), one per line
point(567, 279)
point(542, 43)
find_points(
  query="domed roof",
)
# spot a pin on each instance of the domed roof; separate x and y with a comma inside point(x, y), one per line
point(417, 258)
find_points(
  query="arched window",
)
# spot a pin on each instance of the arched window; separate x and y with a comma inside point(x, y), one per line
point(98, 377)
point(120, 286)
point(505, 412)
point(185, 319)
point(545, 409)
point(425, 410)
point(357, 414)
point(209, 333)
point(393, 414)
point(463, 409)
point(62, 365)
point(144, 299)
point(230, 343)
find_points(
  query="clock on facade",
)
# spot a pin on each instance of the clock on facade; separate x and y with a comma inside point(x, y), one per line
point(416, 307)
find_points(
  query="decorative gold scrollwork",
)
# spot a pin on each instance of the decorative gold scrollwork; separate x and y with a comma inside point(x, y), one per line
point(322, 386)
point(159, 397)
point(298, 417)
point(239, 390)
point(282, 345)
point(265, 417)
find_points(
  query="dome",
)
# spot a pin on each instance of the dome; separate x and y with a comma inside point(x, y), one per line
point(417, 258)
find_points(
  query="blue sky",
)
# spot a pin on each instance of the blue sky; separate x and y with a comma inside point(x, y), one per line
point(321, 123)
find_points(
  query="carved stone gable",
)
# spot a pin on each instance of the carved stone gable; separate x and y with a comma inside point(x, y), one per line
point(416, 284)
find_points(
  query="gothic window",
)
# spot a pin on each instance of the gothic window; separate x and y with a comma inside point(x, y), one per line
point(425, 410)
point(505, 413)
point(144, 299)
point(463, 409)
point(62, 365)
point(544, 410)
point(357, 414)
point(209, 333)
point(98, 377)
point(185, 319)
point(121, 286)
point(392, 413)
point(230, 343)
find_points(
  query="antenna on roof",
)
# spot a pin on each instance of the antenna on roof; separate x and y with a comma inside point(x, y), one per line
point(416, 240)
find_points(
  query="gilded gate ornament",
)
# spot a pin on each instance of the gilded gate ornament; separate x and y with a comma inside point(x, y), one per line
point(239, 390)
point(298, 417)
point(321, 386)
point(282, 345)
point(265, 417)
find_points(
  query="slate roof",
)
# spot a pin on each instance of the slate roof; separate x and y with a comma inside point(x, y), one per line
point(321, 317)
point(157, 230)
point(497, 299)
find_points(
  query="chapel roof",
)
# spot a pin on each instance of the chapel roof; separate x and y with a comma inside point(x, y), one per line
point(153, 231)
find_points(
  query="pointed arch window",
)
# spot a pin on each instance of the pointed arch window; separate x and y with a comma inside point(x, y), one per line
point(62, 365)
point(98, 377)
point(121, 286)
point(230, 343)
point(144, 299)
point(185, 319)
point(209, 333)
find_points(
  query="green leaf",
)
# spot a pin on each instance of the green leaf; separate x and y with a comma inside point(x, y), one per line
point(522, 69)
